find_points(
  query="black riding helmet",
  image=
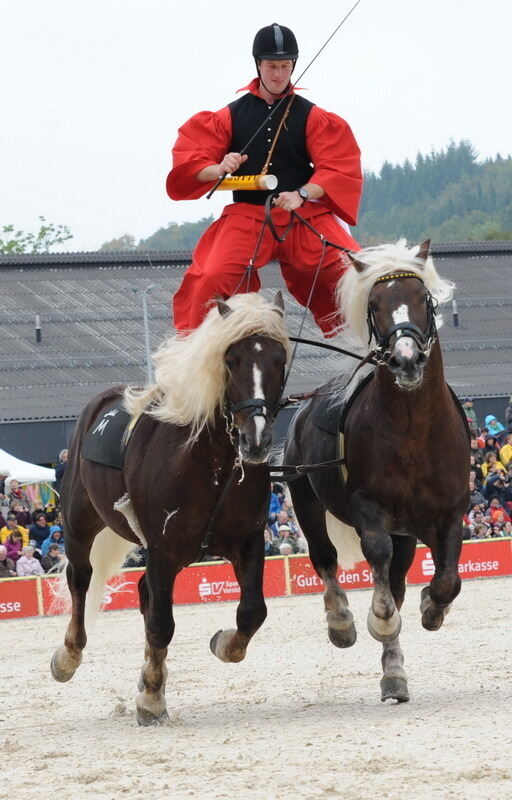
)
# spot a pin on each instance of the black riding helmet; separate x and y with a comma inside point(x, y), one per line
point(276, 43)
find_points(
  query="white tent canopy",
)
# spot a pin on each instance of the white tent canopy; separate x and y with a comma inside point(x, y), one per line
point(23, 471)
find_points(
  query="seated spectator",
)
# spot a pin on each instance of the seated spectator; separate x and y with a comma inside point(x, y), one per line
point(507, 529)
point(14, 545)
point(495, 510)
point(482, 438)
point(495, 428)
point(39, 531)
point(475, 518)
point(23, 516)
point(12, 525)
point(475, 495)
point(283, 518)
point(55, 537)
point(276, 502)
point(7, 566)
point(491, 463)
point(481, 531)
point(16, 493)
point(285, 535)
point(286, 549)
point(499, 484)
point(506, 451)
point(54, 560)
point(27, 564)
point(269, 548)
point(495, 531)
point(475, 471)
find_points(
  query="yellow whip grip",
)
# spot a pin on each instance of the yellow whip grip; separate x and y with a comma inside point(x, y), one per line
point(237, 183)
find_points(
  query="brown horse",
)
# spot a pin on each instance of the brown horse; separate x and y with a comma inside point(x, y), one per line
point(196, 461)
point(406, 452)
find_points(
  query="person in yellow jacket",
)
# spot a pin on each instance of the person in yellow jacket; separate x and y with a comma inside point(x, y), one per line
point(506, 451)
point(12, 525)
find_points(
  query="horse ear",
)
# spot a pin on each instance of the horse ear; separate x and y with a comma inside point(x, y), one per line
point(279, 302)
point(424, 250)
point(224, 309)
point(359, 266)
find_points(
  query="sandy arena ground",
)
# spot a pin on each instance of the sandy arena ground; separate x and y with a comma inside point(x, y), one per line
point(297, 719)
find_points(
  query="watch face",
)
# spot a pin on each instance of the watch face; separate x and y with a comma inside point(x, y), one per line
point(303, 193)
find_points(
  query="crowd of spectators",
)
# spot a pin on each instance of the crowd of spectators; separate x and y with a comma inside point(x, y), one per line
point(32, 543)
point(31, 537)
point(490, 479)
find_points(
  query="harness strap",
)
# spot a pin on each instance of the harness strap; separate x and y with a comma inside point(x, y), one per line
point(209, 531)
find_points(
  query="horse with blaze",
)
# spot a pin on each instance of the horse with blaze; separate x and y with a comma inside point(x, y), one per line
point(196, 460)
point(406, 454)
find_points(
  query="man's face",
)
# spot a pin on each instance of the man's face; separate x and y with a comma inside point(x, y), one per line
point(12, 524)
point(276, 74)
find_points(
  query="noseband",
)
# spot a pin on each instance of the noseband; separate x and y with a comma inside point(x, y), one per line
point(424, 339)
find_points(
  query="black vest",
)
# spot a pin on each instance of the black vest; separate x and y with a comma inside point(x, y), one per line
point(290, 161)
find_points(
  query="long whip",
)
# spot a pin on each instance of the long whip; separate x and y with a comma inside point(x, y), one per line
point(283, 98)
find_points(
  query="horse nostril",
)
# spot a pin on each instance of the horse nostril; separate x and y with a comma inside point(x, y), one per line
point(394, 364)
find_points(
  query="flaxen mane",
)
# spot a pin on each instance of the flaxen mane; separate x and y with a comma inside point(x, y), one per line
point(190, 375)
point(354, 287)
point(353, 291)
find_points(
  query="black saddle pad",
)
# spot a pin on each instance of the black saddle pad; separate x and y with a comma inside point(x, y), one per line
point(330, 412)
point(104, 442)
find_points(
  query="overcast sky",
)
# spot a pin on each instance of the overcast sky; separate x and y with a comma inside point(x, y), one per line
point(93, 92)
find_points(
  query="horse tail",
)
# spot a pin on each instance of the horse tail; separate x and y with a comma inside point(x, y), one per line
point(345, 540)
point(107, 556)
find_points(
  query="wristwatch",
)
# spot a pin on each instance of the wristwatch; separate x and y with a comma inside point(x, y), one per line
point(304, 194)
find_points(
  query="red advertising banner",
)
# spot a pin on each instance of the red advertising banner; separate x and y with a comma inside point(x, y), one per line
point(480, 559)
point(304, 580)
point(216, 582)
point(18, 598)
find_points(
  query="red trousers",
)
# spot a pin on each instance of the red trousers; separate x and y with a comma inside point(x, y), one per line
point(225, 249)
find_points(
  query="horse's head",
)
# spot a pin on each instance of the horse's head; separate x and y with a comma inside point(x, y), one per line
point(401, 320)
point(255, 369)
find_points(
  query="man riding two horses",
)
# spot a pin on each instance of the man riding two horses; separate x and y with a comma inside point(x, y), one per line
point(316, 160)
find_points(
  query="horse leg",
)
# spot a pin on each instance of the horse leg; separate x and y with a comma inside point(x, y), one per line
point(393, 684)
point(384, 622)
point(311, 517)
point(68, 657)
point(231, 644)
point(155, 593)
point(445, 585)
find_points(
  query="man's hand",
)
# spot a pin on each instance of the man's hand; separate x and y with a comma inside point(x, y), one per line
point(289, 201)
point(231, 162)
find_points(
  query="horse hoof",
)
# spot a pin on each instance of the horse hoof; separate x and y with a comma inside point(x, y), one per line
point(214, 640)
point(394, 688)
point(146, 719)
point(431, 618)
point(384, 630)
point(345, 638)
point(60, 675)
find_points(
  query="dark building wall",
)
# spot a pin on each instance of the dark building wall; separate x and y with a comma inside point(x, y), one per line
point(37, 442)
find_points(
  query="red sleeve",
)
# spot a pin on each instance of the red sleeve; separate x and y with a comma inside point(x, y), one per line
point(203, 140)
point(337, 163)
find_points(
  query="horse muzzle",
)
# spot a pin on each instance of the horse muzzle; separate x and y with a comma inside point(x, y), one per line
point(255, 440)
point(407, 361)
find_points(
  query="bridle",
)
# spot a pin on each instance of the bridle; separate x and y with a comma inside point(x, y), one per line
point(424, 339)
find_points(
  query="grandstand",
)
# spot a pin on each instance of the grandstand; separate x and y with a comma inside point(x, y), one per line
point(90, 307)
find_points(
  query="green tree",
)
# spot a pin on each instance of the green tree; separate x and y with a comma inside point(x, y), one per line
point(123, 243)
point(18, 241)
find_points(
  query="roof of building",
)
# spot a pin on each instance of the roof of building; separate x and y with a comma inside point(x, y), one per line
point(90, 307)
